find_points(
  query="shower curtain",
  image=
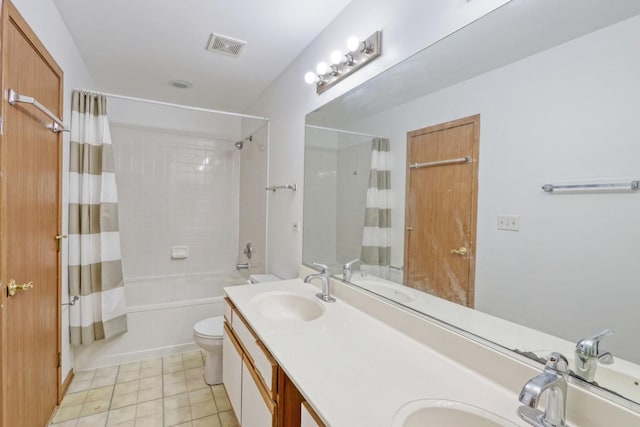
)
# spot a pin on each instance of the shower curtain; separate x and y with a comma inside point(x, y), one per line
point(95, 269)
point(376, 250)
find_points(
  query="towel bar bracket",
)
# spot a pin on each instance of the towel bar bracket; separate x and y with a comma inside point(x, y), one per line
point(57, 125)
point(273, 188)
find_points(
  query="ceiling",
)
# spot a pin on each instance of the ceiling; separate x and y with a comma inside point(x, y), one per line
point(133, 49)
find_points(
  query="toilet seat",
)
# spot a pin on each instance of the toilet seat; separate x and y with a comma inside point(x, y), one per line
point(211, 327)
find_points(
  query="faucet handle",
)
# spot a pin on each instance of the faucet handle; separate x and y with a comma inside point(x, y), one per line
point(325, 268)
point(348, 264)
point(606, 358)
point(557, 362)
point(589, 346)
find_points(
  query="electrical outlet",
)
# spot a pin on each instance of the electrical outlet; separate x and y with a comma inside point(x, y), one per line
point(509, 222)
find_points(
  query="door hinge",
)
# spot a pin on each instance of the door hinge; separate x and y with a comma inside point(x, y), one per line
point(59, 360)
point(1, 125)
point(59, 238)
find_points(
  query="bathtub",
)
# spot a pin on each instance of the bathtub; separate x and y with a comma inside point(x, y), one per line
point(161, 314)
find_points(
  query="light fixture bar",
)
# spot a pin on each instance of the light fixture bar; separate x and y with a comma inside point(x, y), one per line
point(367, 51)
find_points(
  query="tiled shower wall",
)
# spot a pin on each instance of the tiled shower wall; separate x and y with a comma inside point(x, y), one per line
point(175, 190)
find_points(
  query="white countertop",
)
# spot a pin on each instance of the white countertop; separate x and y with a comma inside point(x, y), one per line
point(357, 371)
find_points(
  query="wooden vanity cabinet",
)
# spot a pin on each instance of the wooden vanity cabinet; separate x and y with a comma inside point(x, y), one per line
point(260, 393)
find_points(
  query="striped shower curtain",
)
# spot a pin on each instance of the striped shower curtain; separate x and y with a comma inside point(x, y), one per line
point(376, 250)
point(95, 269)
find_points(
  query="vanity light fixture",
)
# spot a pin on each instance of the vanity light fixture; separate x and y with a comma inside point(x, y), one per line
point(342, 65)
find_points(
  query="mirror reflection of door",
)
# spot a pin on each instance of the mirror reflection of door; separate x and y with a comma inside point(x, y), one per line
point(441, 202)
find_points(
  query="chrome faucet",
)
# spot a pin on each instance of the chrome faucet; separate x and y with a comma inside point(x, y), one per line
point(325, 277)
point(347, 271)
point(588, 355)
point(553, 380)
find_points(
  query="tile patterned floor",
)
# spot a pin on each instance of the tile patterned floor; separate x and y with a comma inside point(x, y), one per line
point(165, 391)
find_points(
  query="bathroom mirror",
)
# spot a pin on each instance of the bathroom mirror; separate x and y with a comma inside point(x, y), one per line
point(556, 88)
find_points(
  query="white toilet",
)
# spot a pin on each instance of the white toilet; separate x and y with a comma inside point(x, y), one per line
point(207, 334)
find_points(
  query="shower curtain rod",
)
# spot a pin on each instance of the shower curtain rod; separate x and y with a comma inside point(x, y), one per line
point(180, 106)
point(344, 131)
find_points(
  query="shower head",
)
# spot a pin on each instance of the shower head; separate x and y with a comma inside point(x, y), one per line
point(240, 144)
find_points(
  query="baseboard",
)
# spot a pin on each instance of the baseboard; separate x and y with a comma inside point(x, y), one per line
point(65, 386)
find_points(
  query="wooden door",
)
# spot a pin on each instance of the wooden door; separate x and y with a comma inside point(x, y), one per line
point(30, 165)
point(441, 209)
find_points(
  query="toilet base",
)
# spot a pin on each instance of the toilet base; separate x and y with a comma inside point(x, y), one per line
point(212, 370)
point(207, 334)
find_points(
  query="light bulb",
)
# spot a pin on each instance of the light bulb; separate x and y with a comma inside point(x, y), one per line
point(310, 77)
point(322, 67)
point(353, 44)
point(336, 57)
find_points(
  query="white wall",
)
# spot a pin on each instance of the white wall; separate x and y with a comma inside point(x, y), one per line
point(565, 114)
point(43, 18)
point(408, 26)
point(175, 190)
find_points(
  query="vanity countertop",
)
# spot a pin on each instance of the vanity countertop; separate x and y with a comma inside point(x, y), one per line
point(355, 370)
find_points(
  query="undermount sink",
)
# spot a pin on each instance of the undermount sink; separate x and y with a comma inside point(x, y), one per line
point(446, 413)
point(283, 306)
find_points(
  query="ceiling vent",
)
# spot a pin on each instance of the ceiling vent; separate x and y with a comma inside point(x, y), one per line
point(225, 45)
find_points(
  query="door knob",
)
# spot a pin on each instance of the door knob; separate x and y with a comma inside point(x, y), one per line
point(13, 287)
point(462, 251)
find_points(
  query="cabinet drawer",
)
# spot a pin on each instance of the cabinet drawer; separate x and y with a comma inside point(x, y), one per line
point(256, 352)
point(228, 310)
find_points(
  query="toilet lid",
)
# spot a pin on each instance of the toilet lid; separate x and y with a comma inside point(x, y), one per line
point(209, 327)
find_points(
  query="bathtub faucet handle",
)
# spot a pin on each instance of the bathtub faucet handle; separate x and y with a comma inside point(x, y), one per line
point(248, 250)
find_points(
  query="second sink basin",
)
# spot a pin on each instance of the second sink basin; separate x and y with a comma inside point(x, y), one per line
point(283, 306)
point(446, 413)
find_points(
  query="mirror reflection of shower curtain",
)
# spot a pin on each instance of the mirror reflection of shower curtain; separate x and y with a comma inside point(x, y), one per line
point(376, 249)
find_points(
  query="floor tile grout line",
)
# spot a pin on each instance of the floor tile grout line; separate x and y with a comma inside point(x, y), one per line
point(210, 390)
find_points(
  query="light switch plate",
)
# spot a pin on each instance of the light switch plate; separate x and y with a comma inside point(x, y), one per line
point(509, 222)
